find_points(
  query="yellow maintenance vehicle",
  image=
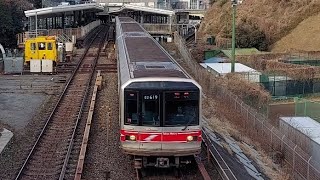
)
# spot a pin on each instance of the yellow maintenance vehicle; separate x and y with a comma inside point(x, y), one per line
point(41, 48)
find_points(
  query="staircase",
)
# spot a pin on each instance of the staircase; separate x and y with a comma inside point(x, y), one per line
point(63, 38)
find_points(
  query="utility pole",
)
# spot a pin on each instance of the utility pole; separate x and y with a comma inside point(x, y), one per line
point(36, 24)
point(233, 51)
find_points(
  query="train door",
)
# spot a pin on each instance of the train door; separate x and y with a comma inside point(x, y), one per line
point(151, 130)
point(51, 51)
point(27, 51)
point(31, 50)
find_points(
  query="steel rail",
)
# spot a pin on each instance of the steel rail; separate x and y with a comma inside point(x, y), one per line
point(85, 138)
point(56, 105)
point(223, 168)
point(82, 105)
point(202, 169)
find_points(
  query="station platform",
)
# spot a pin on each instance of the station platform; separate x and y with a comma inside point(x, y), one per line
point(160, 22)
point(154, 20)
point(75, 21)
point(69, 20)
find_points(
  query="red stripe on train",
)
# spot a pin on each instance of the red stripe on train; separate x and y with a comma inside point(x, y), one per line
point(160, 137)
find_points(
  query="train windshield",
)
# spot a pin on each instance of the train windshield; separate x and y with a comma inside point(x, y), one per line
point(142, 108)
point(156, 108)
point(181, 108)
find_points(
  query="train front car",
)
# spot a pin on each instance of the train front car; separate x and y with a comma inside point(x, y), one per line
point(160, 105)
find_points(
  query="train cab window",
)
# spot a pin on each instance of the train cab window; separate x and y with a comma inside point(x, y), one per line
point(42, 46)
point(49, 46)
point(181, 108)
point(150, 110)
point(33, 46)
point(132, 117)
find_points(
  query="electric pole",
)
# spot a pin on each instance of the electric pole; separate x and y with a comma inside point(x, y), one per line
point(234, 4)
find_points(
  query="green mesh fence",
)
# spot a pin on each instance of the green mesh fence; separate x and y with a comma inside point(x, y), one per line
point(304, 107)
point(279, 86)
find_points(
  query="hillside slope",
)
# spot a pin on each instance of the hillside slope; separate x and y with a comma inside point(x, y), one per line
point(275, 18)
point(305, 37)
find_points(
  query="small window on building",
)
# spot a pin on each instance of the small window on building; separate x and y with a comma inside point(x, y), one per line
point(42, 46)
point(49, 46)
point(33, 46)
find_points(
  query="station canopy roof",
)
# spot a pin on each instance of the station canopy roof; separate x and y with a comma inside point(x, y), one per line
point(67, 9)
point(144, 9)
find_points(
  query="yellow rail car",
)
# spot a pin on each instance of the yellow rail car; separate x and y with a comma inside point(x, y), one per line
point(41, 48)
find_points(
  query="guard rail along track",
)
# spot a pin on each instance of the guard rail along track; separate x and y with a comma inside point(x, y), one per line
point(49, 155)
point(216, 158)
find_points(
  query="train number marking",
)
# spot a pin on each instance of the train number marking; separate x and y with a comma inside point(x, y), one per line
point(151, 97)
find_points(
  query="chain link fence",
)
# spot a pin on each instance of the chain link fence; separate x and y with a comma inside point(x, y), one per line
point(254, 124)
point(304, 107)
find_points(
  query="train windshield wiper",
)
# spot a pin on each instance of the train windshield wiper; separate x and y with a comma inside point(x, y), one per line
point(189, 122)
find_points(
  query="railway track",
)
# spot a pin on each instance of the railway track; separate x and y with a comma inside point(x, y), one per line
point(189, 172)
point(218, 168)
point(74, 168)
point(50, 154)
point(214, 157)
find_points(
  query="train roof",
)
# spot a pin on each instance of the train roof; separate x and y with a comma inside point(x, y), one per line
point(145, 56)
point(144, 49)
point(131, 27)
point(126, 19)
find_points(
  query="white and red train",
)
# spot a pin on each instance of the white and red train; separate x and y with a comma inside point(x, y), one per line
point(160, 104)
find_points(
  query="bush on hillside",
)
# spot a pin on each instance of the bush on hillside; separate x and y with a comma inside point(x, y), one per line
point(248, 35)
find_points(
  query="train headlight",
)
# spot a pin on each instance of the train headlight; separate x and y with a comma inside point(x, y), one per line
point(189, 138)
point(132, 137)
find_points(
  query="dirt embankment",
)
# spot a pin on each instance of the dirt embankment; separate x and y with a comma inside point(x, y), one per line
point(305, 37)
point(276, 18)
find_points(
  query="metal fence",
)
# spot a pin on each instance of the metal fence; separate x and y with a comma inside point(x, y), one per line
point(254, 124)
point(77, 32)
point(282, 85)
point(305, 107)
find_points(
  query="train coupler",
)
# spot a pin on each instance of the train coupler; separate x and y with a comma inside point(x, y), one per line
point(163, 163)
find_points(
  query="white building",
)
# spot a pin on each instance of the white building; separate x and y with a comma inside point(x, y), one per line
point(305, 132)
point(243, 71)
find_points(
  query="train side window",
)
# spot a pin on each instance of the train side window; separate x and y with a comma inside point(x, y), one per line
point(49, 46)
point(33, 46)
point(131, 110)
point(42, 46)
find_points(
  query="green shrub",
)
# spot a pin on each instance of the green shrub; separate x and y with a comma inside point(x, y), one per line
point(248, 35)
